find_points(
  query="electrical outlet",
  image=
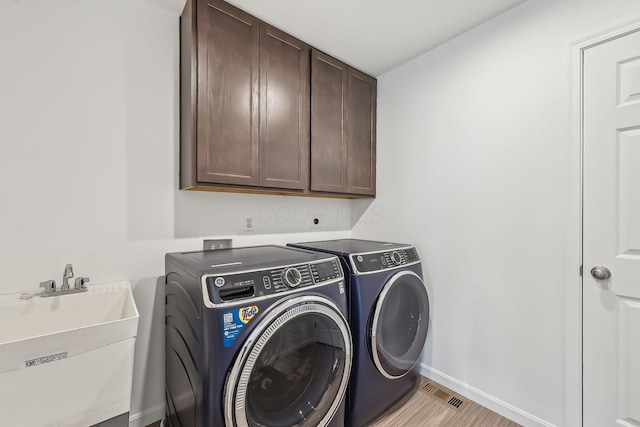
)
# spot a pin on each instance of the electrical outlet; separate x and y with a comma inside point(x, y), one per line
point(214, 244)
point(317, 222)
point(249, 222)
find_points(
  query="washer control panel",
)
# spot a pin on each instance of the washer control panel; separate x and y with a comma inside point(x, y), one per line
point(377, 261)
point(232, 287)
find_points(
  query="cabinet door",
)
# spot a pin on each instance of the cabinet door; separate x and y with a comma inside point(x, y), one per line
point(361, 135)
point(284, 110)
point(227, 129)
point(328, 136)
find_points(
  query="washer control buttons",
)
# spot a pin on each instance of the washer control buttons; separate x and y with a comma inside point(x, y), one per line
point(292, 277)
point(396, 257)
point(266, 281)
point(219, 282)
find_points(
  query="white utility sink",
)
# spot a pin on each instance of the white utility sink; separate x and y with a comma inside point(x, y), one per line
point(67, 360)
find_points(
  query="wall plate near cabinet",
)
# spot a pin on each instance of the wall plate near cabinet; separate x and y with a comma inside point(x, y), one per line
point(317, 222)
point(215, 244)
point(249, 223)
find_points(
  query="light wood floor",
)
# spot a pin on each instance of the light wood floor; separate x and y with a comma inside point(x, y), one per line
point(424, 410)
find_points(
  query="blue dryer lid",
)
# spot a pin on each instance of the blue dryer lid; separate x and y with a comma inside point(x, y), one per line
point(345, 247)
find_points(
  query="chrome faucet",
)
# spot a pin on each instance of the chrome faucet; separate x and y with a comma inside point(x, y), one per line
point(68, 274)
point(80, 285)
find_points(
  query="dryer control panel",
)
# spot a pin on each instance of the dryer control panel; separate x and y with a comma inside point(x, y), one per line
point(377, 261)
point(231, 287)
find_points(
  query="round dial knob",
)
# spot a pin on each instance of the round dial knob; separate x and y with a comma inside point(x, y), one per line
point(396, 257)
point(292, 277)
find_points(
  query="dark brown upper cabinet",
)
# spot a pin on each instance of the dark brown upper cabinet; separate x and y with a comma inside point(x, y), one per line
point(261, 112)
point(244, 101)
point(343, 128)
point(361, 133)
point(328, 114)
point(284, 110)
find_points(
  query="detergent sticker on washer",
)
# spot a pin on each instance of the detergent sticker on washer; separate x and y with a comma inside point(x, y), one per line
point(234, 321)
point(247, 313)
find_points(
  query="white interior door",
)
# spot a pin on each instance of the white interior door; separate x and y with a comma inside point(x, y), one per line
point(611, 306)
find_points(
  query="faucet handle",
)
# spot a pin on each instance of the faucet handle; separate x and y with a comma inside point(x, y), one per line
point(48, 285)
point(81, 283)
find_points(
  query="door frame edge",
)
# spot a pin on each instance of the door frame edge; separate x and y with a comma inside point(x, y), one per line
point(573, 358)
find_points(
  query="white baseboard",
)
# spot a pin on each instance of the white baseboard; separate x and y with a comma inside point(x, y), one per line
point(147, 417)
point(496, 405)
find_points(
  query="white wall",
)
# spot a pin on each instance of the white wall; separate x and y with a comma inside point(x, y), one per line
point(478, 166)
point(89, 163)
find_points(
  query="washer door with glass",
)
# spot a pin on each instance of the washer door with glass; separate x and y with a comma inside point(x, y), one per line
point(293, 369)
point(399, 325)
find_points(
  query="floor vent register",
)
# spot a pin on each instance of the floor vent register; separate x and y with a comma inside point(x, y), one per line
point(454, 401)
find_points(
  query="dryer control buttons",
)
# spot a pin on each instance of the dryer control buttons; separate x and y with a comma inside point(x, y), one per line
point(378, 261)
point(292, 277)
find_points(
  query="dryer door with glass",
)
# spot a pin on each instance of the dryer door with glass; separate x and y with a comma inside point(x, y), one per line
point(293, 369)
point(399, 324)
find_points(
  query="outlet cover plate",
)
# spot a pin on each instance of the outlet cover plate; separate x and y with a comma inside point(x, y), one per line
point(215, 244)
point(316, 222)
point(249, 223)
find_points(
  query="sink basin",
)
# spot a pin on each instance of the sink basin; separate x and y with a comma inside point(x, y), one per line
point(67, 360)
